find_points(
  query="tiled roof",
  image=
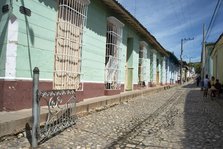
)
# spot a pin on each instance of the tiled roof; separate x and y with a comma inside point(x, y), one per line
point(128, 17)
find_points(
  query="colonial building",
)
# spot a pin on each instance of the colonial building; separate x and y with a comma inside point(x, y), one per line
point(172, 68)
point(208, 63)
point(96, 47)
point(217, 58)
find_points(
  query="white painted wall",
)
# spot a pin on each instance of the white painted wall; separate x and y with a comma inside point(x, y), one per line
point(10, 64)
point(154, 66)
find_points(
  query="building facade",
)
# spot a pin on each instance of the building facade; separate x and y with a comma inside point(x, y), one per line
point(95, 47)
point(208, 66)
point(217, 58)
point(172, 69)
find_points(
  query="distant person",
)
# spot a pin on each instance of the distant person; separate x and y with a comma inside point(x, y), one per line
point(213, 89)
point(218, 87)
point(202, 84)
point(212, 81)
point(206, 86)
point(198, 79)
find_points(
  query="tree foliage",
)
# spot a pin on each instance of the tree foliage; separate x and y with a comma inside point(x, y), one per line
point(197, 67)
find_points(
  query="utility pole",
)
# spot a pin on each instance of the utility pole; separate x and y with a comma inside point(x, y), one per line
point(203, 54)
point(181, 61)
point(181, 54)
point(190, 68)
point(203, 57)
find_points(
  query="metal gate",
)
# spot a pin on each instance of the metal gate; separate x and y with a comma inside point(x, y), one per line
point(61, 105)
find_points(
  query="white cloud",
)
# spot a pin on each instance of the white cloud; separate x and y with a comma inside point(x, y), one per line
point(170, 21)
point(196, 59)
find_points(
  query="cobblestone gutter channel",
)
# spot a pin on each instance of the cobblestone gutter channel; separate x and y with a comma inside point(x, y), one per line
point(130, 139)
point(150, 132)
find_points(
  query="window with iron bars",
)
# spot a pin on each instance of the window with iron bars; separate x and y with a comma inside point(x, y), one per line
point(142, 64)
point(67, 56)
point(112, 55)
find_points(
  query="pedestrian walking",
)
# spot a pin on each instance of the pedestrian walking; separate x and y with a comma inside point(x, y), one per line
point(218, 87)
point(213, 89)
point(198, 79)
point(206, 86)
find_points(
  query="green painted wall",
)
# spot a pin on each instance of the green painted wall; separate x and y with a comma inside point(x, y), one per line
point(218, 69)
point(36, 39)
point(94, 43)
point(136, 59)
point(3, 36)
point(129, 32)
point(220, 63)
point(151, 66)
point(93, 53)
point(129, 52)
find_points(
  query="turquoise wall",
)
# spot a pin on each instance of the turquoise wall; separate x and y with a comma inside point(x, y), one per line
point(3, 36)
point(36, 39)
point(93, 53)
point(94, 43)
point(130, 32)
point(208, 60)
point(160, 57)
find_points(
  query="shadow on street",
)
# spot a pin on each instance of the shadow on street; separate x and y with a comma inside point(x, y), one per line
point(203, 120)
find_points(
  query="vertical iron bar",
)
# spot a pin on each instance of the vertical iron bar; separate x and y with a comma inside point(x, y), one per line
point(35, 108)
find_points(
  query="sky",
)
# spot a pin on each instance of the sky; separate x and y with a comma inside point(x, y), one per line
point(172, 20)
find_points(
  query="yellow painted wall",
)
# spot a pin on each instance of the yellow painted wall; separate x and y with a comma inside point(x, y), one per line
point(217, 57)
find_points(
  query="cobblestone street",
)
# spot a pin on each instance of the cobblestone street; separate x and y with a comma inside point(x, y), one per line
point(174, 118)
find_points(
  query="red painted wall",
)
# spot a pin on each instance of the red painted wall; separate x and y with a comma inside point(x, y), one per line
point(17, 95)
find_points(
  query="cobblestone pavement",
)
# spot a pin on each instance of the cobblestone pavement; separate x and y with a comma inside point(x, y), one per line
point(191, 121)
point(175, 118)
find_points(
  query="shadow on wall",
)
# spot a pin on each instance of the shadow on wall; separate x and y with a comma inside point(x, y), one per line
point(3, 40)
point(30, 29)
point(3, 32)
point(30, 35)
point(95, 18)
point(48, 3)
point(4, 28)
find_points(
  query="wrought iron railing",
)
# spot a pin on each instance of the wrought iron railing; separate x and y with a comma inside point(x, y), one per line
point(61, 106)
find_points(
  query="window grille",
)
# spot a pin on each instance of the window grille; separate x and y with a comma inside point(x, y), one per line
point(112, 56)
point(142, 64)
point(67, 57)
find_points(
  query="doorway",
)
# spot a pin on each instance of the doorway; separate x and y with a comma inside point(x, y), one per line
point(129, 63)
point(157, 72)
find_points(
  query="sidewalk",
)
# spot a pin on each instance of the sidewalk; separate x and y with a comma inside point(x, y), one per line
point(14, 122)
point(219, 100)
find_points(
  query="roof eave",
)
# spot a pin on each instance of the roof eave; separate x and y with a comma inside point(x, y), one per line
point(114, 5)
